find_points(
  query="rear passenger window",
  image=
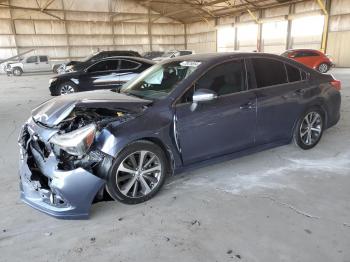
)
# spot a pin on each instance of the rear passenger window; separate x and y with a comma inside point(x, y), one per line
point(309, 53)
point(305, 54)
point(43, 58)
point(269, 72)
point(127, 65)
point(106, 65)
point(293, 73)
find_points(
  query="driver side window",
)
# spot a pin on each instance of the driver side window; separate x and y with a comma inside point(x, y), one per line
point(224, 79)
point(32, 59)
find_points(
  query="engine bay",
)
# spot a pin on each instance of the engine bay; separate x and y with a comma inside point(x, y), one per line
point(81, 117)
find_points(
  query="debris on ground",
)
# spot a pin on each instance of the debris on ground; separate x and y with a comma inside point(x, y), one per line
point(308, 231)
point(229, 252)
point(194, 222)
point(120, 219)
point(4, 231)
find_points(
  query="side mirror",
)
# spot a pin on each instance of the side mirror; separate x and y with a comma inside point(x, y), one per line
point(203, 95)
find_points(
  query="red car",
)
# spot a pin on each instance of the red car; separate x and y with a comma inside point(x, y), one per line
point(311, 58)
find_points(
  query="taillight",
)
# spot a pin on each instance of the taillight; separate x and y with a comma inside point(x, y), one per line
point(336, 84)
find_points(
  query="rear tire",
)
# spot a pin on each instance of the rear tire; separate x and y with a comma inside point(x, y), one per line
point(323, 68)
point(17, 71)
point(309, 129)
point(138, 173)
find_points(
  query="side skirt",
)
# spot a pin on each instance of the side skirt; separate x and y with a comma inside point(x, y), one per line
point(231, 156)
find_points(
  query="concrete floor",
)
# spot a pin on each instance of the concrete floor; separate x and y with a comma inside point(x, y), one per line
point(283, 204)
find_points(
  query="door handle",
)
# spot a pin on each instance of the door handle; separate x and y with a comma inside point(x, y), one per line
point(248, 105)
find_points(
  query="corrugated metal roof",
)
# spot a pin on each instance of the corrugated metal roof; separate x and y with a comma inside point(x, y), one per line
point(188, 11)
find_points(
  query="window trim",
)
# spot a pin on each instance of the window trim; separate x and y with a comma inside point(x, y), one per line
point(46, 57)
point(177, 101)
point(300, 73)
point(100, 61)
point(270, 58)
point(135, 62)
point(282, 61)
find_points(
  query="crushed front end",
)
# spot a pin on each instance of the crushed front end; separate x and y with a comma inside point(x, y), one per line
point(59, 178)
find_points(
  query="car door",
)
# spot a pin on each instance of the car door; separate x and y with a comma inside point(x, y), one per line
point(128, 70)
point(222, 126)
point(44, 63)
point(31, 64)
point(101, 75)
point(279, 89)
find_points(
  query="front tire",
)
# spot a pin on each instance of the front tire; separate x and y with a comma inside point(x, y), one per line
point(66, 88)
point(55, 68)
point(17, 71)
point(323, 68)
point(309, 129)
point(137, 173)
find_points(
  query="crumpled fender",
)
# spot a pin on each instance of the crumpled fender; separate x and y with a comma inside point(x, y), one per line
point(13, 65)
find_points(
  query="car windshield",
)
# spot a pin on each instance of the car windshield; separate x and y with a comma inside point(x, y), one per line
point(168, 54)
point(86, 59)
point(159, 80)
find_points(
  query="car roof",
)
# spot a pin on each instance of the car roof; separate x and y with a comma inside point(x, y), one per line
point(139, 59)
point(117, 51)
point(301, 50)
point(216, 58)
point(208, 57)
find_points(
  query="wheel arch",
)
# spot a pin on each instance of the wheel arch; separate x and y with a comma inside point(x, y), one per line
point(318, 104)
point(323, 62)
point(17, 67)
point(167, 151)
point(106, 139)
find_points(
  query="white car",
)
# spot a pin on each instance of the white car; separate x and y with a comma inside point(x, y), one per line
point(36, 63)
point(173, 53)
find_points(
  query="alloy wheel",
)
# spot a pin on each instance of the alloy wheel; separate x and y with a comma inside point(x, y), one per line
point(311, 128)
point(139, 174)
point(323, 68)
point(67, 89)
point(17, 72)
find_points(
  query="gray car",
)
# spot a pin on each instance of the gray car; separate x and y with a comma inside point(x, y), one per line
point(180, 114)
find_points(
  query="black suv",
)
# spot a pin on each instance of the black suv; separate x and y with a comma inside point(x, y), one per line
point(71, 66)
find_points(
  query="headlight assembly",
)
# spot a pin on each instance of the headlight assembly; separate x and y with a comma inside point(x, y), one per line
point(77, 142)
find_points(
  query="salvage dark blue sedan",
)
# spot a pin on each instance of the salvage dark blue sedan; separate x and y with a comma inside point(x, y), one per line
point(179, 114)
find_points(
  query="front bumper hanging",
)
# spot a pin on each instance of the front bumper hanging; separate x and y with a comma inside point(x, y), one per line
point(62, 194)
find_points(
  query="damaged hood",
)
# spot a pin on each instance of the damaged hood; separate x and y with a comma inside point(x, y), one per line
point(52, 112)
